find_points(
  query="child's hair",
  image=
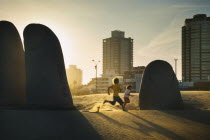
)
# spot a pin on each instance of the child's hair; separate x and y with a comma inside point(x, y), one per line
point(116, 81)
point(129, 86)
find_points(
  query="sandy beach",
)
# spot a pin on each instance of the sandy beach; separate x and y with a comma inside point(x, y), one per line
point(111, 123)
point(198, 100)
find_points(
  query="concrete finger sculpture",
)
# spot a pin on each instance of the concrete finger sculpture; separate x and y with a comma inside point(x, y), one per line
point(45, 71)
point(159, 87)
point(12, 66)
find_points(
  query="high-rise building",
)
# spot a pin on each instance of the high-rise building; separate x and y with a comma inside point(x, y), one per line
point(74, 76)
point(117, 53)
point(196, 48)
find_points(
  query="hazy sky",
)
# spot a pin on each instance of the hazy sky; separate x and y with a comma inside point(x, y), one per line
point(155, 26)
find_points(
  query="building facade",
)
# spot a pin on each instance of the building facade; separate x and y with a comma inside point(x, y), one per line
point(117, 53)
point(133, 78)
point(74, 76)
point(196, 49)
point(102, 84)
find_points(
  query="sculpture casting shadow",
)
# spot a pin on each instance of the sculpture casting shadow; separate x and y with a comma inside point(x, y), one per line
point(12, 67)
point(159, 87)
point(46, 86)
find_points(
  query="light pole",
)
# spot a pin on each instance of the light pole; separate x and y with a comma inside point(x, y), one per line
point(175, 66)
point(96, 67)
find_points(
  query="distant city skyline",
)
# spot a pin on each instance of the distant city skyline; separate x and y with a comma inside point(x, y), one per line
point(81, 25)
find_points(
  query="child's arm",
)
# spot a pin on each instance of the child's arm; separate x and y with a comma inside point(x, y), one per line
point(109, 90)
point(131, 95)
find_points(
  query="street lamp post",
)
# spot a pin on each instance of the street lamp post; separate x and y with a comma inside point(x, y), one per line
point(96, 67)
point(175, 66)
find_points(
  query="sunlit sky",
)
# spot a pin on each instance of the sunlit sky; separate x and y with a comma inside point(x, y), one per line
point(155, 26)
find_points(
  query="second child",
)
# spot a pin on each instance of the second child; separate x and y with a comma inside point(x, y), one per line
point(126, 95)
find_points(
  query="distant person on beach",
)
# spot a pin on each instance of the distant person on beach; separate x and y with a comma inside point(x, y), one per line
point(116, 89)
point(126, 95)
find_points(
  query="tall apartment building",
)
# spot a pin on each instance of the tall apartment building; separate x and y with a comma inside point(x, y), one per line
point(117, 53)
point(74, 76)
point(196, 48)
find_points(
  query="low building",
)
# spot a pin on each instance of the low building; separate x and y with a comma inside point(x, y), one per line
point(185, 85)
point(74, 76)
point(105, 81)
point(102, 84)
point(133, 78)
point(198, 85)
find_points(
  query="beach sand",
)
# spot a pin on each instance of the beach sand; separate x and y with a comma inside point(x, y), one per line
point(111, 123)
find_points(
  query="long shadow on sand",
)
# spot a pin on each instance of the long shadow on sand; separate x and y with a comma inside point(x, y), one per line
point(146, 129)
point(200, 116)
point(44, 125)
point(192, 111)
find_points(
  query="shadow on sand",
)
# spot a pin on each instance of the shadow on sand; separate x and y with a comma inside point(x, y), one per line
point(192, 111)
point(200, 116)
point(146, 130)
point(45, 124)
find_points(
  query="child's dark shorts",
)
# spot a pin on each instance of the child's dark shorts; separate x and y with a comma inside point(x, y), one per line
point(127, 100)
point(117, 99)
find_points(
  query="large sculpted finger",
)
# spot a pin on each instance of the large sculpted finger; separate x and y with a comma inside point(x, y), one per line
point(159, 87)
point(46, 78)
point(12, 66)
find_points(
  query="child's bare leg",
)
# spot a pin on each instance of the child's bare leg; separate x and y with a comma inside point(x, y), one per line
point(124, 105)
